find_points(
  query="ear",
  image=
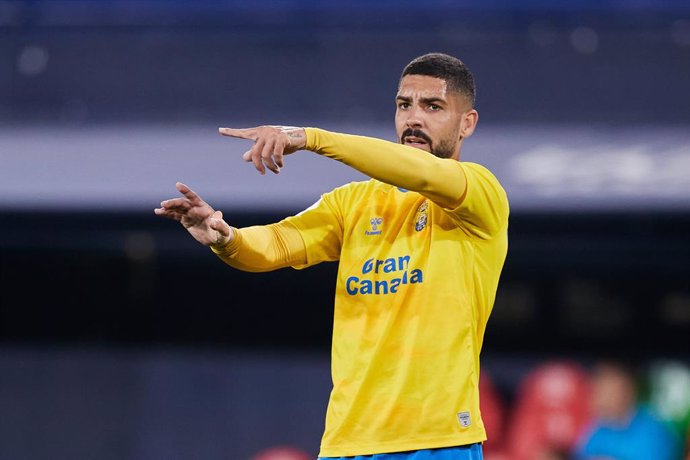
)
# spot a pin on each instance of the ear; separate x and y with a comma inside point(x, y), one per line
point(468, 123)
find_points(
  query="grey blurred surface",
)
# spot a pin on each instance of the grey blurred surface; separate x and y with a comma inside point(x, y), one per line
point(134, 167)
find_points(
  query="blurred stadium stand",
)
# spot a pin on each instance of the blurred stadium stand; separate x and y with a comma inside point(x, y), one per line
point(536, 61)
point(122, 338)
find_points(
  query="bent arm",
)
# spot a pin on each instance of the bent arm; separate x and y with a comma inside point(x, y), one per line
point(441, 180)
point(263, 248)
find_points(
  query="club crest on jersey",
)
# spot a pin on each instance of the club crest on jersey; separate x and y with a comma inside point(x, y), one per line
point(422, 216)
point(375, 226)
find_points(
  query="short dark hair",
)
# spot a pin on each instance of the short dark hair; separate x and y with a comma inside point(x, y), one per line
point(448, 68)
point(627, 366)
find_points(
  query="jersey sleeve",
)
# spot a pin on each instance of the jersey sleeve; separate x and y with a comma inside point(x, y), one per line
point(308, 238)
point(469, 193)
point(321, 229)
point(439, 179)
point(263, 248)
point(483, 211)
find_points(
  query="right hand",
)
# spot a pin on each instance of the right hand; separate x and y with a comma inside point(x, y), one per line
point(204, 223)
point(271, 143)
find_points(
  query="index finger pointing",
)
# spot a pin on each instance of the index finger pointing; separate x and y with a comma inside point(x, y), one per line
point(247, 133)
point(189, 193)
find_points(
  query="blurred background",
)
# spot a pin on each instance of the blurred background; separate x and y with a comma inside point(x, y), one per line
point(120, 337)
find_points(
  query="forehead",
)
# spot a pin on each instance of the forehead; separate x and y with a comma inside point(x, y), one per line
point(415, 86)
point(611, 375)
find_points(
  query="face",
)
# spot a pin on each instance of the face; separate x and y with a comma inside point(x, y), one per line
point(613, 394)
point(431, 117)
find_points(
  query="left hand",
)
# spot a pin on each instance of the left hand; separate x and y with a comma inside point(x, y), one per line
point(203, 222)
point(271, 143)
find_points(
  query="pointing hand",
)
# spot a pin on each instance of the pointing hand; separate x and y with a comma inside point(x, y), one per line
point(271, 143)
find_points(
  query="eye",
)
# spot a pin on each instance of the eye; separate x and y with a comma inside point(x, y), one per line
point(434, 107)
point(403, 105)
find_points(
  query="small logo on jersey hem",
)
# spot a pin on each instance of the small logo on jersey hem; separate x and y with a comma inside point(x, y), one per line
point(464, 419)
point(375, 223)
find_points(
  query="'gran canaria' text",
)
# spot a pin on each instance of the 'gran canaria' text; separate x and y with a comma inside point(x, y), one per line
point(398, 267)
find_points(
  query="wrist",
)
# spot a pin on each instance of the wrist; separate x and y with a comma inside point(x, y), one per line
point(297, 139)
point(223, 242)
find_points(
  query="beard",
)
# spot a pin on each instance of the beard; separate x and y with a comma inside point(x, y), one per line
point(444, 149)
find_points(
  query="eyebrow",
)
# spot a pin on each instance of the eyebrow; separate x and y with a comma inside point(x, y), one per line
point(424, 100)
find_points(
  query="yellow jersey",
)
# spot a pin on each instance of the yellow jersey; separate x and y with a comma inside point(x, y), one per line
point(416, 284)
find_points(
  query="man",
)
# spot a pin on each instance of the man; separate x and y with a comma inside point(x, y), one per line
point(420, 249)
point(623, 429)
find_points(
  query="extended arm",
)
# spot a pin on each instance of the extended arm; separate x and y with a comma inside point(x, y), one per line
point(441, 180)
point(471, 195)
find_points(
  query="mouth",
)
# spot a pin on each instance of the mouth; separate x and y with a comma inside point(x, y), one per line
point(415, 142)
point(416, 138)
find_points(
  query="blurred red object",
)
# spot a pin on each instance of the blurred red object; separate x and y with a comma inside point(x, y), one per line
point(282, 453)
point(493, 416)
point(552, 409)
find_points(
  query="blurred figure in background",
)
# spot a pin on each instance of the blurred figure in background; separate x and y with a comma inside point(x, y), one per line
point(282, 453)
point(550, 413)
point(623, 429)
point(669, 395)
point(553, 454)
point(493, 414)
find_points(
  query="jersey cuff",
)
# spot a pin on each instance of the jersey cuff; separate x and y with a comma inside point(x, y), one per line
point(312, 135)
point(231, 246)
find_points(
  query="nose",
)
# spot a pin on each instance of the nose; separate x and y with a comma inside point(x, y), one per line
point(414, 118)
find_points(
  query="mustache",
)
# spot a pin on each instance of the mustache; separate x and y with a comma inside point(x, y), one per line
point(409, 132)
